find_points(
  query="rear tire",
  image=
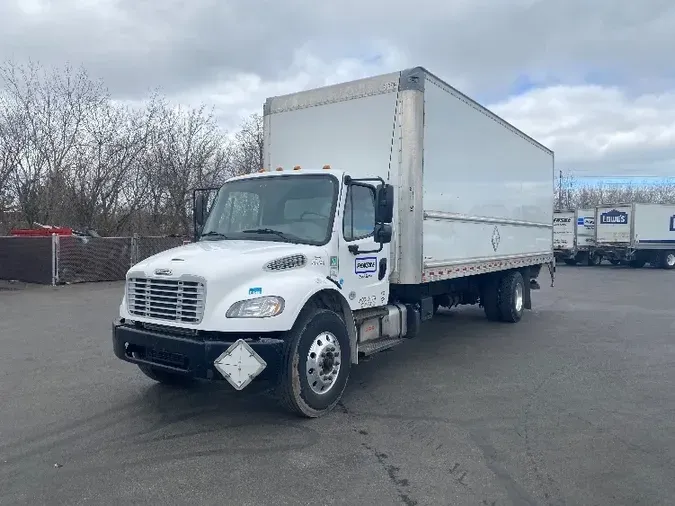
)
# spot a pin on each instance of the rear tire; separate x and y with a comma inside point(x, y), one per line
point(511, 291)
point(668, 260)
point(594, 259)
point(316, 354)
point(490, 300)
point(503, 298)
point(615, 262)
point(165, 377)
point(637, 263)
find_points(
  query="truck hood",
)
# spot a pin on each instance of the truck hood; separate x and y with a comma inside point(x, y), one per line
point(210, 259)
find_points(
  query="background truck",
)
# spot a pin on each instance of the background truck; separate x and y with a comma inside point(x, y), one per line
point(574, 237)
point(381, 200)
point(636, 234)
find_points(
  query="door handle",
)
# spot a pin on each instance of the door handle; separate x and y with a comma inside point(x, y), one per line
point(382, 269)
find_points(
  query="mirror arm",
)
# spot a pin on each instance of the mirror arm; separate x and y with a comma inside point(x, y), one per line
point(354, 249)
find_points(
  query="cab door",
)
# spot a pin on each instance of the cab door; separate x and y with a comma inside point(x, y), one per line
point(363, 270)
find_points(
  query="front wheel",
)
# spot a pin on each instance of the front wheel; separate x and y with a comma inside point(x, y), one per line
point(316, 363)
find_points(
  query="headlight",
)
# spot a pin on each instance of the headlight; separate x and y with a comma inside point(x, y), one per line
point(260, 307)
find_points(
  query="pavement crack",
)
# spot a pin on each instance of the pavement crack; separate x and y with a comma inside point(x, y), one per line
point(393, 472)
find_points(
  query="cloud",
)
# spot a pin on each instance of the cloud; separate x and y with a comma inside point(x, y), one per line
point(597, 130)
point(591, 74)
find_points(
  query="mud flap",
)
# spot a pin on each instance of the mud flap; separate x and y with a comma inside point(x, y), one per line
point(527, 289)
point(551, 270)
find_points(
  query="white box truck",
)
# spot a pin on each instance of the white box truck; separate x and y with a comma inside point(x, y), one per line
point(381, 200)
point(636, 234)
point(574, 237)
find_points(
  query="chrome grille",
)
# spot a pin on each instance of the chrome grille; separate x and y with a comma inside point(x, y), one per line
point(166, 299)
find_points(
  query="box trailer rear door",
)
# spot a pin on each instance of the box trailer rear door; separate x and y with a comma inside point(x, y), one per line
point(585, 228)
point(563, 230)
point(613, 225)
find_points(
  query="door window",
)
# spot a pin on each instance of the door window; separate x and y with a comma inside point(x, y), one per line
point(359, 217)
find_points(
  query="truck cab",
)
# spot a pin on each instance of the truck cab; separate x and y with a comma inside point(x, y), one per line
point(270, 245)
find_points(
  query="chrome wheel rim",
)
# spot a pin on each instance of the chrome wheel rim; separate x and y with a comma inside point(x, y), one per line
point(323, 363)
point(519, 297)
point(670, 259)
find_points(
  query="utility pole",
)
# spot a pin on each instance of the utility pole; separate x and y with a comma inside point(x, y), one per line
point(560, 192)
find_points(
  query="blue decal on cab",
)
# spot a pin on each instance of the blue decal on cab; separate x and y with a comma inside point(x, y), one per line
point(255, 291)
point(365, 265)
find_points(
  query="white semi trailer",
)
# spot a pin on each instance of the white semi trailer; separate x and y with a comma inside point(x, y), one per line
point(381, 200)
point(574, 237)
point(636, 234)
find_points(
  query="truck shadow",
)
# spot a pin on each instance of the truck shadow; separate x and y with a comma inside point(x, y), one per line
point(154, 424)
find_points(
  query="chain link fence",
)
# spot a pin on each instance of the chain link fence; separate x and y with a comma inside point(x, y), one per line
point(73, 259)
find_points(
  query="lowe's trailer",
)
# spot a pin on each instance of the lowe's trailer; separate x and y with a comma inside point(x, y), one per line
point(636, 234)
point(574, 237)
point(381, 201)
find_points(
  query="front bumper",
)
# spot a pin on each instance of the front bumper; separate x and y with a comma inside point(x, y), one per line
point(189, 355)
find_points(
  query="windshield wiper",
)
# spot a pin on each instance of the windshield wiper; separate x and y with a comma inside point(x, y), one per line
point(269, 231)
point(213, 234)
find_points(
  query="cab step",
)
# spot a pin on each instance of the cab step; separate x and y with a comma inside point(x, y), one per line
point(371, 347)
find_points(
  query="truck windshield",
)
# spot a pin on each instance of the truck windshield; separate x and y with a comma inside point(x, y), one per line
point(289, 208)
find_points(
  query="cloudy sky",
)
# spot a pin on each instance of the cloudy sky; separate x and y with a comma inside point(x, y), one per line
point(593, 80)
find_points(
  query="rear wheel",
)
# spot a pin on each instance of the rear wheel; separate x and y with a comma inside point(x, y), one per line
point(668, 260)
point(511, 291)
point(637, 263)
point(614, 261)
point(316, 363)
point(594, 259)
point(503, 298)
point(490, 299)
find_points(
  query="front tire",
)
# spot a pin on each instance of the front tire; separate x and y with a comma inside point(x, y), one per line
point(316, 363)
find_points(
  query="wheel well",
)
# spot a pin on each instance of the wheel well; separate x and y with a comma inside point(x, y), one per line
point(334, 301)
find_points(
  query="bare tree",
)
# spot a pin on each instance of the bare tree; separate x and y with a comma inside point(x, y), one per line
point(185, 151)
point(248, 147)
point(50, 109)
point(571, 194)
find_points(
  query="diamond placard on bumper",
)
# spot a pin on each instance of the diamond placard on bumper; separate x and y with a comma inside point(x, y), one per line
point(240, 364)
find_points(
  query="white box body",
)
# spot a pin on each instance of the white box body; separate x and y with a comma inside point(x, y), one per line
point(474, 194)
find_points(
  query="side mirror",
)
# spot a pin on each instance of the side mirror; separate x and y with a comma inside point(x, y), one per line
point(199, 209)
point(384, 204)
point(382, 233)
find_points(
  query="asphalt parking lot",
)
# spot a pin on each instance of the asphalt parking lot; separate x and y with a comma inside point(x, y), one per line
point(574, 405)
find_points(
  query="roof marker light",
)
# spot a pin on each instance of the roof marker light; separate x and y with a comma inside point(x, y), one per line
point(297, 167)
